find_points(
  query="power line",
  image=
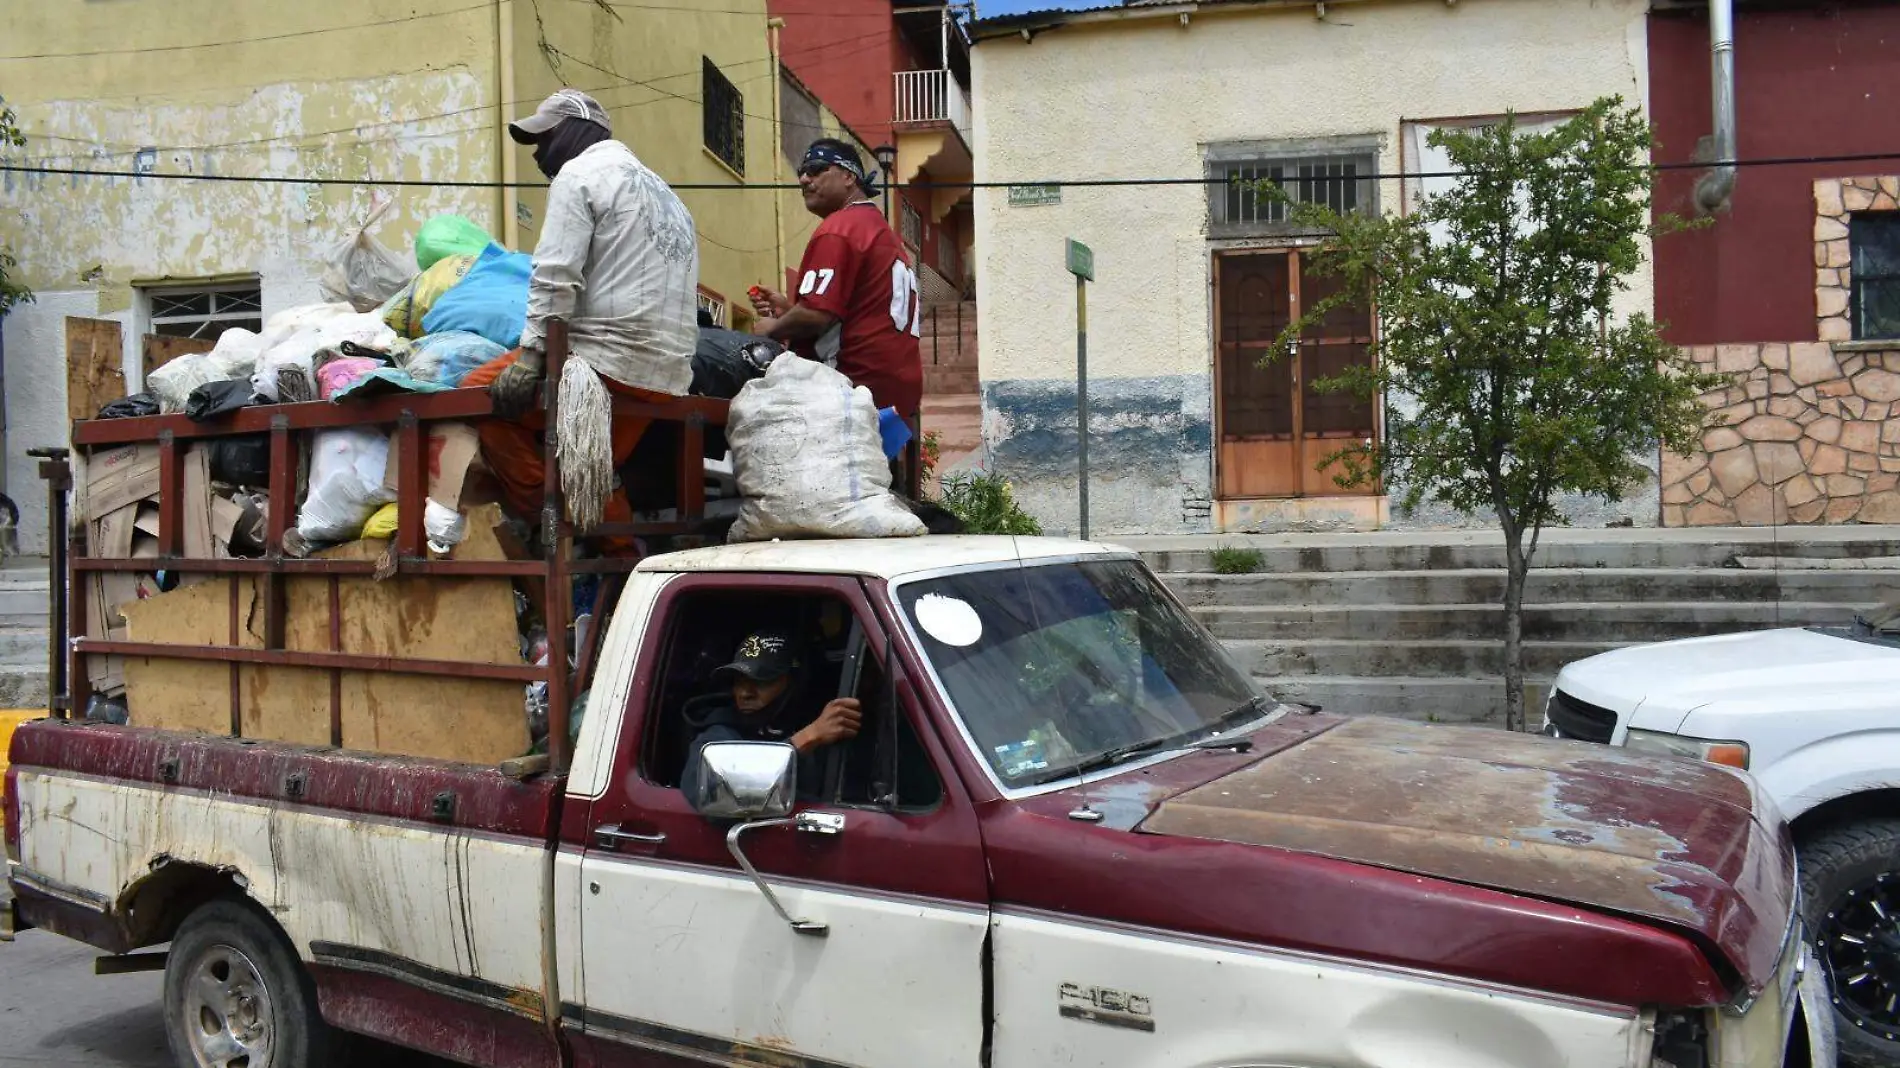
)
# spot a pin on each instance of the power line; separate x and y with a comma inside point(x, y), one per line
point(250, 40)
point(1071, 183)
point(130, 149)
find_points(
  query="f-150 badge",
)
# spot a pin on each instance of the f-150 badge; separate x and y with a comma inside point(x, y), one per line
point(1099, 1004)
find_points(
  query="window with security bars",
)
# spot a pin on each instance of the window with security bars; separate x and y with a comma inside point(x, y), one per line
point(205, 311)
point(1238, 206)
point(912, 222)
point(1873, 239)
point(724, 111)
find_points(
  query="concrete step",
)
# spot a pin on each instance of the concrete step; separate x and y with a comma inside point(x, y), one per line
point(1371, 555)
point(1425, 700)
point(1544, 586)
point(23, 646)
point(1648, 621)
point(22, 603)
point(1460, 658)
point(943, 380)
point(23, 687)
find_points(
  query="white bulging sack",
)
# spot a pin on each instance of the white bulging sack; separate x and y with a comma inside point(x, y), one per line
point(346, 484)
point(809, 460)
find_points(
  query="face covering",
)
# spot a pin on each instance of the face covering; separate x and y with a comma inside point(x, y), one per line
point(561, 144)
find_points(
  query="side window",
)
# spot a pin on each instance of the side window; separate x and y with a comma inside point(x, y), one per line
point(705, 631)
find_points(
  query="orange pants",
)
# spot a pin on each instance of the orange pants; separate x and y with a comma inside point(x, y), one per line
point(513, 449)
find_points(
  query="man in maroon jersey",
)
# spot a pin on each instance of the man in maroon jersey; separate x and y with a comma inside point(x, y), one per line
point(856, 308)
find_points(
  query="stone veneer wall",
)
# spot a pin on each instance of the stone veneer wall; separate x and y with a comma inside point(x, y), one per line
point(1804, 434)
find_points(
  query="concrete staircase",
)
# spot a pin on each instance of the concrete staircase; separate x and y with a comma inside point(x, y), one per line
point(23, 606)
point(949, 349)
point(1408, 624)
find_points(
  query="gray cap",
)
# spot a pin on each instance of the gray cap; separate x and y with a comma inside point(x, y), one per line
point(563, 105)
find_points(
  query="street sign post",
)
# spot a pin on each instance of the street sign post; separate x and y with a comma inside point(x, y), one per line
point(1082, 264)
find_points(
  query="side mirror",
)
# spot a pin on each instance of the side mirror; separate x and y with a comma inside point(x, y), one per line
point(747, 780)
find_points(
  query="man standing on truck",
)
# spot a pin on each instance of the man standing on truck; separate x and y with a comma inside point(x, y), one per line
point(619, 260)
point(856, 307)
point(766, 680)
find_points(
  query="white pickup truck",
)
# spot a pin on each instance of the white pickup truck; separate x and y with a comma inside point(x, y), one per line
point(1072, 832)
point(1814, 714)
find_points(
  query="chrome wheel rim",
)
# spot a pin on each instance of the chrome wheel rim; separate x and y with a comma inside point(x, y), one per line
point(227, 1010)
point(1860, 941)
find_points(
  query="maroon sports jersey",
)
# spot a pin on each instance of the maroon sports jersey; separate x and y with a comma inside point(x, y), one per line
point(854, 268)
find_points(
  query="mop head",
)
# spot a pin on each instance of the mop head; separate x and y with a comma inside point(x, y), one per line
point(585, 444)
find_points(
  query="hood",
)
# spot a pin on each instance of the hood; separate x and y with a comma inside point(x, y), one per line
point(1681, 676)
point(1681, 843)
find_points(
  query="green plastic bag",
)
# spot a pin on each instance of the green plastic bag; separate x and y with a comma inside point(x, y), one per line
point(448, 235)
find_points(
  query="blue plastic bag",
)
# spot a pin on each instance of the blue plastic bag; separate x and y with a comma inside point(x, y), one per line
point(491, 300)
point(894, 430)
point(448, 357)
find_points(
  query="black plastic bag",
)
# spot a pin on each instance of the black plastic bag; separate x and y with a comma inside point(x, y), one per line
point(725, 360)
point(241, 460)
point(214, 399)
point(132, 407)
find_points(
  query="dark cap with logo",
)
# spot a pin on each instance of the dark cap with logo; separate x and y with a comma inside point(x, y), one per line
point(764, 656)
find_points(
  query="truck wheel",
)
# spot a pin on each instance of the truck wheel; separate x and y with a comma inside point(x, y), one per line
point(1850, 888)
point(237, 997)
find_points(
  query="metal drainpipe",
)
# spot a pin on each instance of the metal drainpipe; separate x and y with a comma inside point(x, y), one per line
point(1712, 191)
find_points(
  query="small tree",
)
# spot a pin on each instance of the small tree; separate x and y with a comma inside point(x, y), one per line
point(11, 292)
point(1509, 377)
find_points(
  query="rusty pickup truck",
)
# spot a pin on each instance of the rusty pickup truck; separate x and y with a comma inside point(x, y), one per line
point(1070, 832)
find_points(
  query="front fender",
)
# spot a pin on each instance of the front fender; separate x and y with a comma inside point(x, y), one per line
point(1828, 768)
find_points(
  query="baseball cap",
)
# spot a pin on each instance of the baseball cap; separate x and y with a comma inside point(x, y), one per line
point(564, 104)
point(763, 656)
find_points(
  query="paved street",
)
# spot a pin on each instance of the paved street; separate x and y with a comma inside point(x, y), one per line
point(55, 1012)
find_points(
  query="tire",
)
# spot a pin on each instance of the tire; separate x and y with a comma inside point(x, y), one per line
point(1850, 889)
point(237, 997)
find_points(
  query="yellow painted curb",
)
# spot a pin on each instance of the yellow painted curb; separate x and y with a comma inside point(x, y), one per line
point(9, 719)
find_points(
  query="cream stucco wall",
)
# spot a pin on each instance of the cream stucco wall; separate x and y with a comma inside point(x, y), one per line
point(1144, 98)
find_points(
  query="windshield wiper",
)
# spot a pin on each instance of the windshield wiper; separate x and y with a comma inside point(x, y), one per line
point(1122, 754)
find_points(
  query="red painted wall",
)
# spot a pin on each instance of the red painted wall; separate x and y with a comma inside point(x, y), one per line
point(1820, 81)
point(845, 51)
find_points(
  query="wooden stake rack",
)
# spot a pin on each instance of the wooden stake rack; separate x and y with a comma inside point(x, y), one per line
point(410, 416)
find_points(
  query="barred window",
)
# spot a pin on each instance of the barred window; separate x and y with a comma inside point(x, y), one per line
point(1238, 207)
point(913, 226)
point(725, 117)
point(205, 311)
point(1874, 245)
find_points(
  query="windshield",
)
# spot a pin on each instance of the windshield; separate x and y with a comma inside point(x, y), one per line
point(1059, 668)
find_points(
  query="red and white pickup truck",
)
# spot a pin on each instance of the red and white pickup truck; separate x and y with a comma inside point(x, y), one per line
point(1072, 832)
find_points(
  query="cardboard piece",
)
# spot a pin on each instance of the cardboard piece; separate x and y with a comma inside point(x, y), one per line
point(198, 543)
point(451, 450)
point(112, 535)
point(459, 619)
point(117, 477)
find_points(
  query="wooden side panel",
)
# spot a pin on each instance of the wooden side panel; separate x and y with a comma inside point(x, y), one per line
point(95, 374)
point(470, 619)
point(159, 350)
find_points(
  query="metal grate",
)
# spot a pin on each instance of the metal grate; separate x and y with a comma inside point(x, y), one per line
point(1581, 720)
point(1874, 275)
point(206, 312)
point(724, 117)
point(1237, 205)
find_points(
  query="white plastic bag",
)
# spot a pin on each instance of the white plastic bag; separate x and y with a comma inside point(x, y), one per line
point(359, 271)
point(809, 461)
point(346, 484)
point(235, 356)
point(294, 343)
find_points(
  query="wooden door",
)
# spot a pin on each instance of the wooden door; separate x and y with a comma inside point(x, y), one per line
point(1274, 430)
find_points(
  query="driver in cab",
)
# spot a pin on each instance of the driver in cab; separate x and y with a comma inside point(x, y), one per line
point(762, 700)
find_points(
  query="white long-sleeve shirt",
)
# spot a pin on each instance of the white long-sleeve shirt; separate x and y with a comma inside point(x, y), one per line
point(618, 259)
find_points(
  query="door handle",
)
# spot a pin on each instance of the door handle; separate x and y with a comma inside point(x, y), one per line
point(613, 837)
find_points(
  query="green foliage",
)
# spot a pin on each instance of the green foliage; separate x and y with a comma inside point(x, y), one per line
point(1508, 375)
point(1230, 560)
point(986, 502)
point(11, 292)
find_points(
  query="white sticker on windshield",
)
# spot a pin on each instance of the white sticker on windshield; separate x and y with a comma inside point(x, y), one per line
point(948, 619)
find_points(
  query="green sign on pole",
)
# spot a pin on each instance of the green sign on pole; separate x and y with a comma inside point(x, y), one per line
point(1081, 260)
